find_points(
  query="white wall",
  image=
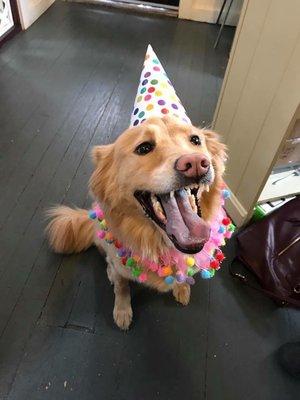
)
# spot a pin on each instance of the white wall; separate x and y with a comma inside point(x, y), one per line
point(30, 10)
point(208, 10)
point(259, 97)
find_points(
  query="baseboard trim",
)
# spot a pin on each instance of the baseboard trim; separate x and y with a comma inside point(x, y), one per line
point(236, 211)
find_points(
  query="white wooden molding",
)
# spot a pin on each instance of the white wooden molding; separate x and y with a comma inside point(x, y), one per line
point(236, 211)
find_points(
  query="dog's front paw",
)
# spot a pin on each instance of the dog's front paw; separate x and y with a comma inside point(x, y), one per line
point(182, 293)
point(123, 317)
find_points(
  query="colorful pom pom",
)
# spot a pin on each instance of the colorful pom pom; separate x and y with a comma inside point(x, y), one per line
point(191, 271)
point(231, 227)
point(212, 273)
point(225, 193)
point(101, 234)
point(190, 262)
point(130, 262)
point(109, 236)
point(99, 213)
point(180, 278)
point(124, 260)
point(166, 270)
point(103, 225)
point(122, 252)
point(143, 277)
point(169, 279)
point(92, 214)
point(136, 271)
point(220, 256)
point(228, 234)
point(190, 280)
point(205, 274)
point(226, 221)
point(118, 244)
point(222, 229)
point(214, 264)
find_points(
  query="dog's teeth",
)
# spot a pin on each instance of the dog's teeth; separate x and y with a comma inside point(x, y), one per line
point(193, 203)
point(207, 188)
point(188, 190)
point(172, 193)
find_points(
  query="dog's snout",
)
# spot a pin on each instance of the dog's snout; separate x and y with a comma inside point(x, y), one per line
point(192, 165)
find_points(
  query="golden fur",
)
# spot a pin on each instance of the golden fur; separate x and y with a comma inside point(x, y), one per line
point(118, 173)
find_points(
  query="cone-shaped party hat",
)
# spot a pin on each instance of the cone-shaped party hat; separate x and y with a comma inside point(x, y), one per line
point(156, 96)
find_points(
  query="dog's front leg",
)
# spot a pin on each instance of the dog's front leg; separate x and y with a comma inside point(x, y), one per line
point(182, 293)
point(122, 309)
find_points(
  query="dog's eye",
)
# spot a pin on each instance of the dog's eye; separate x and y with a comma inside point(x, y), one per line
point(195, 140)
point(144, 148)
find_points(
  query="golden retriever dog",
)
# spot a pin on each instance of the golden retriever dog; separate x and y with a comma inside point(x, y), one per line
point(159, 186)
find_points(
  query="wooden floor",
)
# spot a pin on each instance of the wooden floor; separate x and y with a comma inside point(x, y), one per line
point(67, 84)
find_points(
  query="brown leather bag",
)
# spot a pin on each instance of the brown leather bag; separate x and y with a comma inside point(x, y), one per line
point(270, 248)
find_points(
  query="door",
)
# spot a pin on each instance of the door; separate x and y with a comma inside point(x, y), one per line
point(30, 10)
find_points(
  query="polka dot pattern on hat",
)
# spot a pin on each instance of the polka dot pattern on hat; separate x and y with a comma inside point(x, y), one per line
point(156, 95)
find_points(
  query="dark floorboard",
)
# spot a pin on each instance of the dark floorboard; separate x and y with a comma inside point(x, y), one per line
point(68, 83)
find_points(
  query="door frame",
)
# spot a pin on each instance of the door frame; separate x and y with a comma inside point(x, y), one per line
point(259, 98)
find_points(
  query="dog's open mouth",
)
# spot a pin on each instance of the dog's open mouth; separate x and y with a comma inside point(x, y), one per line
point(178, 213)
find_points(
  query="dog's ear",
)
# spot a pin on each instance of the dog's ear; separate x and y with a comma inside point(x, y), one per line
point(100, 153)
point(215, 146)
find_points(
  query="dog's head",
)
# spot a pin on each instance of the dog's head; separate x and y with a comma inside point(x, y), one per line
point(159, 185)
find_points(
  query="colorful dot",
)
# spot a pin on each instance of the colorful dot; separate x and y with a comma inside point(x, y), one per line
point(135, 111)
point(136, 122)
point(154, 82)
point(143, 90)
point(139, 99)
point(158, 93)
point(164, 110)
point(145, 81)
point(161, 102)
point(156, 68)
point(155, 61)
point(175, 106)
point(164, 85)
point(147, 97)
point(141, 114)
point(149, 107)
point(151, 89)
point(147, 74)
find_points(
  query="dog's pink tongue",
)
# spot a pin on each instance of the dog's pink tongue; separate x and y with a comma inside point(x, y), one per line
point(182, 222)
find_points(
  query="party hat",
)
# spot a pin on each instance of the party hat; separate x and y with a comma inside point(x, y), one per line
point(156, 96)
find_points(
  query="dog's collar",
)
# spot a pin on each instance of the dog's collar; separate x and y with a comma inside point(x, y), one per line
point(174, 265)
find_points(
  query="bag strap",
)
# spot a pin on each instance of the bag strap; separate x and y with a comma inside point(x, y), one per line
point(243, 278)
